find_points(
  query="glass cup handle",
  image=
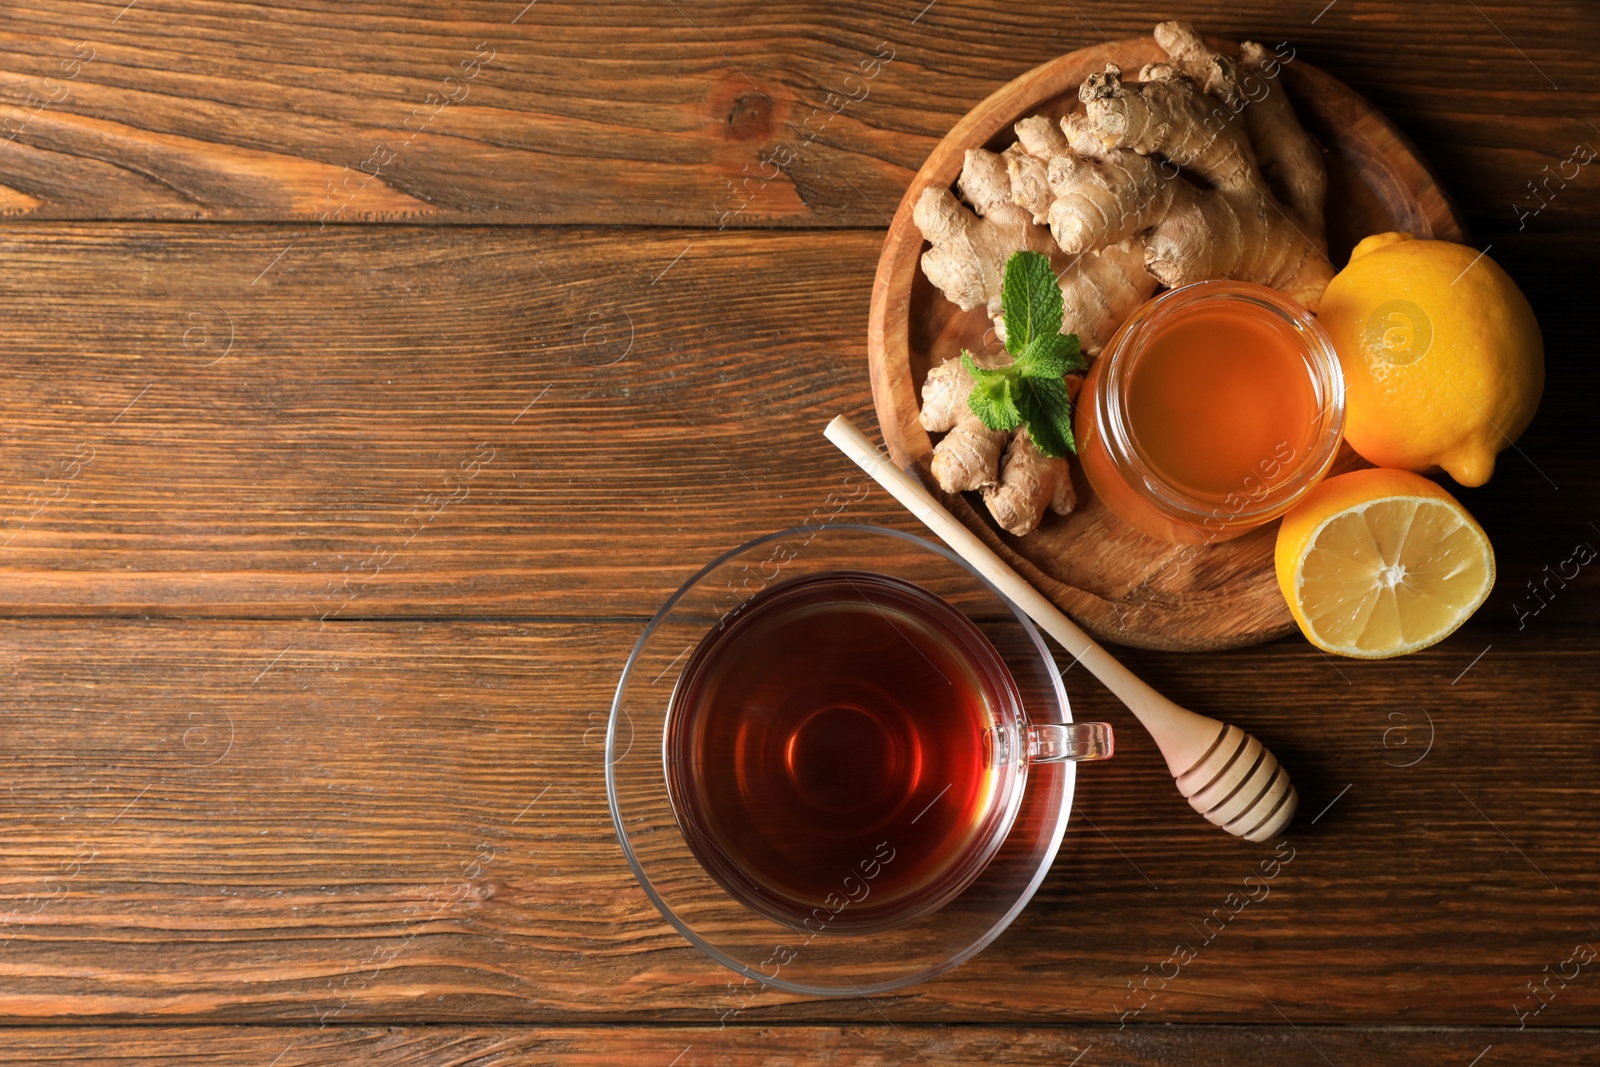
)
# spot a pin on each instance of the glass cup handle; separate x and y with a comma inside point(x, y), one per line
point(1058, 742)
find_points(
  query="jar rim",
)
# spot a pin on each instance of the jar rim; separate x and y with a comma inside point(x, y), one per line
point(1323, 371)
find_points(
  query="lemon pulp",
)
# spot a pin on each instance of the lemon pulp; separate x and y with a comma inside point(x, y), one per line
point(1378, 563)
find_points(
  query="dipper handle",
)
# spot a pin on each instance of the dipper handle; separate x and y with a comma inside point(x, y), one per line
point(1225, 774)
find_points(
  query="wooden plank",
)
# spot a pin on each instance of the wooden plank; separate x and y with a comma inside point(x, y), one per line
point(267, 423)
point(245, 420)
point(251, 822)
point(403, 822)
point(705, 114)
point(865, 1046)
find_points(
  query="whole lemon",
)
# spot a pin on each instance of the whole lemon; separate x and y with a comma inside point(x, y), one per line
point(1443, 360)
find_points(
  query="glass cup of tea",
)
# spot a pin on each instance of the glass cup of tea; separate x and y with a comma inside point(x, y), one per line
point(840, 761)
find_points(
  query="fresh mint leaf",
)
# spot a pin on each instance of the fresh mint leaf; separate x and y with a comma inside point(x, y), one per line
point(995, 405)
point(993, 397)
point(1030, 300)
point(1030, 390)
point(1050, 356)
point(1046, 408)
point(980, 373)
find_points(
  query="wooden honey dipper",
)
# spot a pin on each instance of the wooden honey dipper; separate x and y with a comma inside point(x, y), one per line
point(1225, 773)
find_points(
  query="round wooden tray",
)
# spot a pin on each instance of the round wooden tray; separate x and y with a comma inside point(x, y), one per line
point(1115, 581)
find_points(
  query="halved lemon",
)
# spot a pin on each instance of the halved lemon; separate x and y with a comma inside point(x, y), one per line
point(1378, 563)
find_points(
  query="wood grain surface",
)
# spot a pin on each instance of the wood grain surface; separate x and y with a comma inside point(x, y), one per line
point(313, 468)
point(407, 822)
point(342, 460)
point(669, 113)
point(486, 1045)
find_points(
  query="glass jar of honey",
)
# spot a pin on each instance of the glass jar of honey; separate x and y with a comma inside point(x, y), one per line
point(1214, 409)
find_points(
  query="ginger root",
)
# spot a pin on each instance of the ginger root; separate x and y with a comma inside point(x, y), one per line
point(1017, 489)
point(1289, 158)
point(1029, 482)
point(1169, 115)
point(1196, 170)
point(969, 454)
point(1234, 229)
point(967, 260)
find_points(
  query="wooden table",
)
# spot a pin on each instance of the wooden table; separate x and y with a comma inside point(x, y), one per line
point(373, 371)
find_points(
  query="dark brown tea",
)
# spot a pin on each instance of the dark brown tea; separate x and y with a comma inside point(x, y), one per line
point(832, 752)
